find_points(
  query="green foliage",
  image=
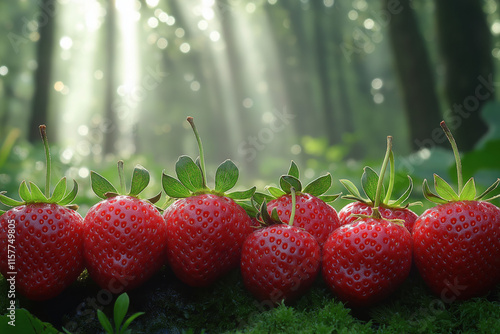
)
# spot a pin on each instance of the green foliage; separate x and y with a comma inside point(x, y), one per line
point(23, 322)
point(120, 310)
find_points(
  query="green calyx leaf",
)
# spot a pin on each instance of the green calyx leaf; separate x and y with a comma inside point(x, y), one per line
point(444, 190)
point(173, 187)
point(319, 186)
point(101, 187)
point(226, 176)
point(369, 181)
point(445, 193)
point(189, 174)
point(140, 180)
point(238, 195)
point(104, 189)
point(288, 181)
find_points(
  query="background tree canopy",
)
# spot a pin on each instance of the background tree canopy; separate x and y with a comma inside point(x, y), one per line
point(320, 82)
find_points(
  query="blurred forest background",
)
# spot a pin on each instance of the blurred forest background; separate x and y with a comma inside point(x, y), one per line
point(321, 82)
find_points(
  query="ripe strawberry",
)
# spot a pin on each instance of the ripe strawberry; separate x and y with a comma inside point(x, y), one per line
point(457, 242)
point(312, 212)
point(366, 260)
point(41, 242)
point(389, 209)
point(124, 236)
point(206, 228)
point(280, 261)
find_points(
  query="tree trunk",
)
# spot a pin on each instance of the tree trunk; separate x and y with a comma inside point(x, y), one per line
point(415, 73)
point(111, 125)
point(43, 74)
point(465, 47)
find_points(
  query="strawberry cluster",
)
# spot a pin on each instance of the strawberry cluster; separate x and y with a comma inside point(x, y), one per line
point(281, 240)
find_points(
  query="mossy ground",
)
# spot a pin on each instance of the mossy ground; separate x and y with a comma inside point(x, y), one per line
point(172, 307)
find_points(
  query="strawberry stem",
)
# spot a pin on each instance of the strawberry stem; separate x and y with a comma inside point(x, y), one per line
point(294, 201)
point(456, 153)
point(391, 179)
point(200, 148)
point(376, 213)
point(43, 133)
point(121, 176)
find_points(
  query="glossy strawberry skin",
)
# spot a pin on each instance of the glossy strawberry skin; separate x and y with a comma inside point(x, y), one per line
point(205, 235)
point(280, 262)
point(346, 214)
point(457, 248)
point(125, 242)
point(48, 247)
point(365, 261)
point(312, 214)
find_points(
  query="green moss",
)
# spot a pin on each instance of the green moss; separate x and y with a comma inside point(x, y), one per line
point(172, 307)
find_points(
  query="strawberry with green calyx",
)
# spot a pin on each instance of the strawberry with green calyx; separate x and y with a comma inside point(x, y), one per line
point(124, 236)
point(457, 242)
point(313, 213)
point(42, 237)
point(279, 262)
point(206, 227)
point(368, 259)
point(390, 209)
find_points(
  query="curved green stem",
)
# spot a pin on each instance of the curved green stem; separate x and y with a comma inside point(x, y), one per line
point(391, 178)
point(43, 133)
point(294, 201)
point(376, 213)
point(456, 153)
point(200, 147)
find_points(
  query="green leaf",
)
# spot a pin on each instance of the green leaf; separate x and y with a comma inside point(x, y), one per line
point(259, 197)
point(443, 189)
point(104, 322)
point(140, 180)
point(294, 170)
point(37, 194)
point(189, 173)
point(242, 194)
point(9, 201)
point(487, 191)
point(430, 195)
point(275, 192)
point(287, 181)
point(59, 191)
point(469, 191)
point(25, 323)
point(155, 199)
point(24, 192)
point(127, 323)
point(351, 188)
point(226, 176)
point(329, 198)
point(100, 185)
point(70, 197)
point(173, 187)
point(120, 309)
point(405, 195)
point(319, 186)
point(369, 181)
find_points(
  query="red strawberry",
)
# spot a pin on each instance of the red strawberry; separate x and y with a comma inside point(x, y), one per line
point(365, 261)
point(280, 261)
point(125, 237)
point(41, 244)
point(457, 243)
point(312, 212)
point(389, 209)
point(206, 228)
